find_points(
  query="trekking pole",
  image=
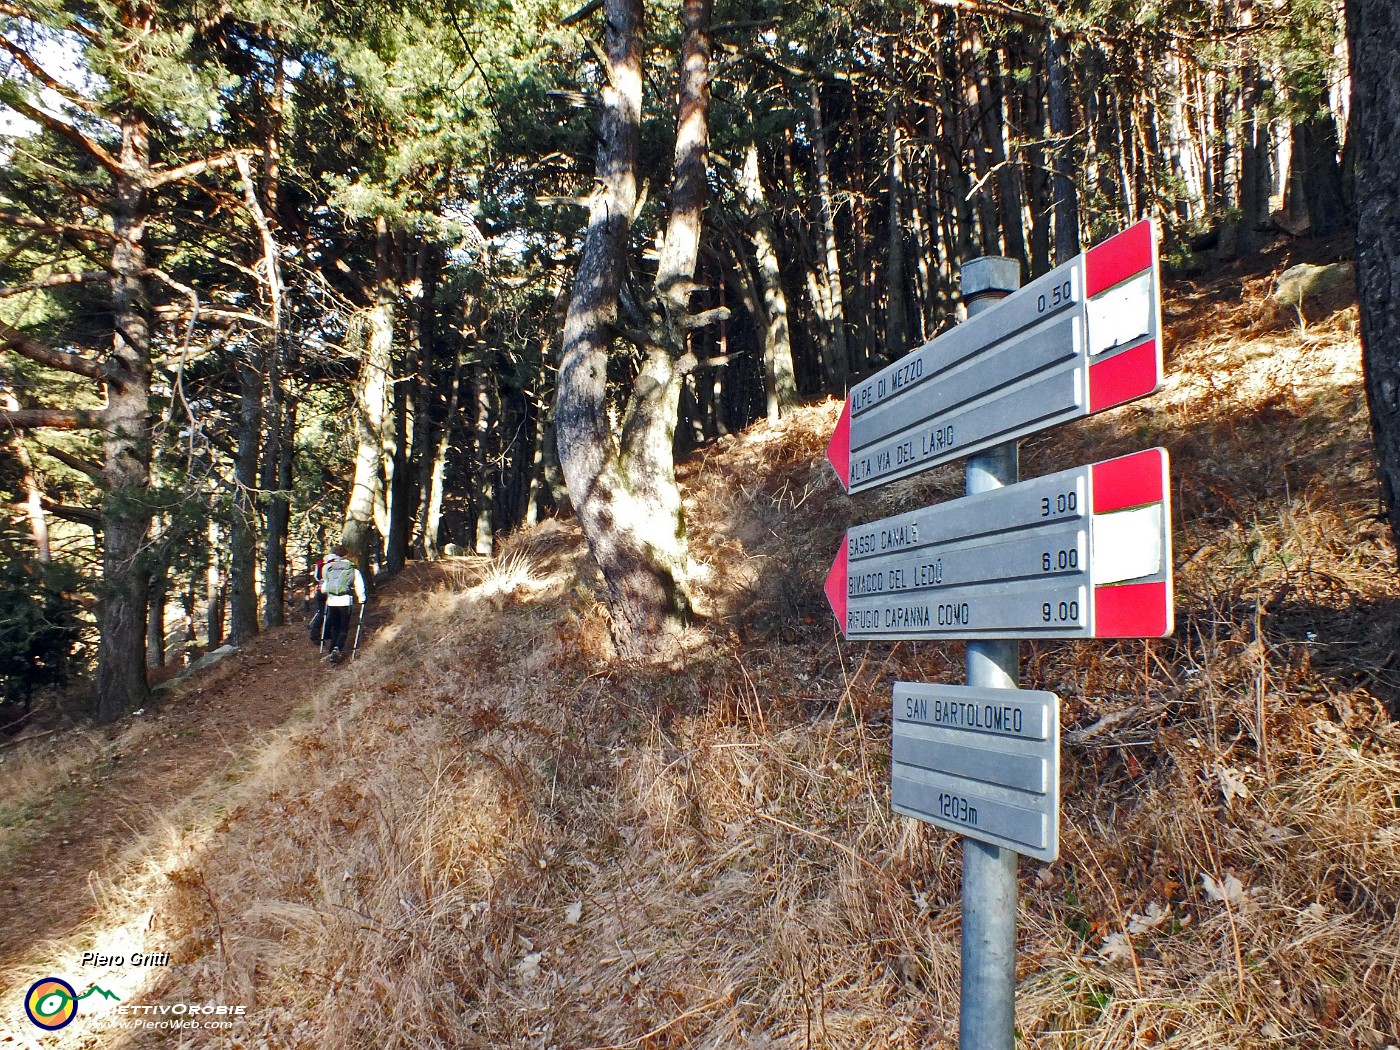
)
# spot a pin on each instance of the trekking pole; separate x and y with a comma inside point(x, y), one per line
point(325, 618)
point(356, 648)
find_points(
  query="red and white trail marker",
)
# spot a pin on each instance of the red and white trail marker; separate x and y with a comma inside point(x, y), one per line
point(1083, 338)
point(1084, 553)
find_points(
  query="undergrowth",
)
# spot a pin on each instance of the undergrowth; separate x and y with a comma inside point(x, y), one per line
point(493, 834)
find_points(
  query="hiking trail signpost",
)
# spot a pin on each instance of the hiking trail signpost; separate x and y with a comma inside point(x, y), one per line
point(1083, 553)
point(1083, 338)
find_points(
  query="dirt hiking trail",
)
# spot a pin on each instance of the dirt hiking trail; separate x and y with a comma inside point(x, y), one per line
point(136, 775)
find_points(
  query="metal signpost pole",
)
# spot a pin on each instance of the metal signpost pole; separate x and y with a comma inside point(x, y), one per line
point(988, 1011)
point(1081, 553)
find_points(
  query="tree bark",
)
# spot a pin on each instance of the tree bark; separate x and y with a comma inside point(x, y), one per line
point(833, 306)
point(126, 429)
point(243, 565)
point(1062, 152)
point(896, 311)
point(543, 476)
point(432, 518)
point(995, 129)
point(779, 375)
point(371, 410)
point(1373, 33)
point(625, 495)
point(278, 418)
point(214, 589)
point(279, 464)
point(155, 617)
point(1315, 155)
point(484, 472)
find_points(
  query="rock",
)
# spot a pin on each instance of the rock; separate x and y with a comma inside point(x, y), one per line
point(209, 659)
point(1315, 290)
point(452, 550)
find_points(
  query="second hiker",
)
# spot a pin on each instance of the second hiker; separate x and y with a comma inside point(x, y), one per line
point(343, 587)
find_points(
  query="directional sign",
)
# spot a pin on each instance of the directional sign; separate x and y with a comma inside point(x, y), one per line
point(1083, 338)
point(982, 762)
point(1085, 553)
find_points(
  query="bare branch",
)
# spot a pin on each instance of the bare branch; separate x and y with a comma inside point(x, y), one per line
point(55, 281)
point(58, 87)
point(14, 339)
point(271, 278)
point(705, 317)
point(25, 222)
point(81, 515)
point(51, 418)
point(165, 176)
point(175, 313)
point(83, 466)
point(582, 13)
point(63, 128)
point(30, 15)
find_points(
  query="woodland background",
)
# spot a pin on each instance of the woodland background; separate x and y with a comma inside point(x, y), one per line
point(273, 275)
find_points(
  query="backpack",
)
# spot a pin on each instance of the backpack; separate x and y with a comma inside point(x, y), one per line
point(339, 576)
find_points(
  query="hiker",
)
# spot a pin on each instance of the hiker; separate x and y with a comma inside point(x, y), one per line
point(343, 587)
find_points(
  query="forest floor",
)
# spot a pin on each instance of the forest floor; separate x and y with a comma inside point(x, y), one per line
point(489, 832)
point(85, 805)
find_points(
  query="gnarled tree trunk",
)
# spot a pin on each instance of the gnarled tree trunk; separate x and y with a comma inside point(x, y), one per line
point(625, 494)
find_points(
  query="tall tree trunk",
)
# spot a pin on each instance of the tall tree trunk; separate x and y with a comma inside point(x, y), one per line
point(838, 364)
point(1254, 198)
point(1062, 152)
point(896, 310)
point(279, 445)
point(418, 455)
point(1038, 183)
point(279, 465)
point(1315, 156)
point(972, 130)
point(626, 496)
point(243, 593)
point(126, 431)
point(372, 410)
point(484, 474)
point(214, 589)
point(995, 130)
point(779, 376)
point(34, 496)
point(400, 503)
point(546, 452)
point(1373, 33)
point(432, 505)
point(155, 617)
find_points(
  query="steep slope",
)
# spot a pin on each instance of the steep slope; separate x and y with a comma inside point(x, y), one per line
point(490, 833)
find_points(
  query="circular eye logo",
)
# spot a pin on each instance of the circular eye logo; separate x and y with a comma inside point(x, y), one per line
point(51, 1003)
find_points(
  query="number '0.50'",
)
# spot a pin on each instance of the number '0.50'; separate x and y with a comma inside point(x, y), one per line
point(1056, 296)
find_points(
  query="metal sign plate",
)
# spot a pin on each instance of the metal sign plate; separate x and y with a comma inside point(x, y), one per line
point(1080, 339)
point(981, 762)
point(1085, 553)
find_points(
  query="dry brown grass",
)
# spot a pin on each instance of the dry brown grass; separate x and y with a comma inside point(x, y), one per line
point(497, 836)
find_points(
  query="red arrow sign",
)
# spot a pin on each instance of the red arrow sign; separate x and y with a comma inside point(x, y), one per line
point(1083, 553)
point(838, 449)
point(1077, 340)
point(836, 585)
